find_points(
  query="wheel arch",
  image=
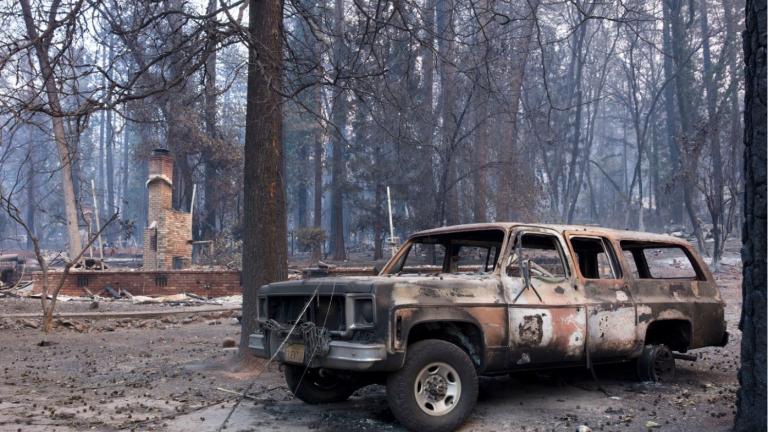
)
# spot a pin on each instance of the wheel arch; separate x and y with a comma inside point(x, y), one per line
point(464, 333)
point(675, 333)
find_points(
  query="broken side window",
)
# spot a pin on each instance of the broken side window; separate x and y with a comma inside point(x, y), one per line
point(543, 253)
point(595, 257)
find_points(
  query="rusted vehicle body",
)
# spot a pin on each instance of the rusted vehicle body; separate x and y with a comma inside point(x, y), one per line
point(488, 299)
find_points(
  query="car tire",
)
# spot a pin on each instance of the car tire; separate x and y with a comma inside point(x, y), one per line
point(435, 390)
point(316, 386)
point(656, 364)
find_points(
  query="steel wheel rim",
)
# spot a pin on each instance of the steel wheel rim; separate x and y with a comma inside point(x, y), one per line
point(437, 389)
point(317, 379)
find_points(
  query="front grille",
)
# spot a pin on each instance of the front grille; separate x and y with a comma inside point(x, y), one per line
point(323, 311)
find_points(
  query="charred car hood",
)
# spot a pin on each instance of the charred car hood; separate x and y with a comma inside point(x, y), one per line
point(366, 284)
point(324, 286)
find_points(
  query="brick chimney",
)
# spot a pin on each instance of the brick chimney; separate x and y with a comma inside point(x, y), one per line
point(168, 236)
point(159, 184)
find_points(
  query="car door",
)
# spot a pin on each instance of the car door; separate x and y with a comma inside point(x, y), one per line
point(547, 323)
point(611, 311)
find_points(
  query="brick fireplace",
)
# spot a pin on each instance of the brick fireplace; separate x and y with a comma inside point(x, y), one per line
point(167, 253)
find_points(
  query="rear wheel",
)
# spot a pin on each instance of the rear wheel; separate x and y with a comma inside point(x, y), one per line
point(436, 389)
point(318, 386)
point(656, 363)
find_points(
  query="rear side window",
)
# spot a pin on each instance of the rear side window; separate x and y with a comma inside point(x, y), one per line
point(668, 263)
point(658, 261)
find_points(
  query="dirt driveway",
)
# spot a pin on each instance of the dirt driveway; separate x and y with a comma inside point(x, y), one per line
point(172, 374)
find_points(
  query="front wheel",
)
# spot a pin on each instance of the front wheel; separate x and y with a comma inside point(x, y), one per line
point(656, 363)
point(317, 386)
point(436, 389)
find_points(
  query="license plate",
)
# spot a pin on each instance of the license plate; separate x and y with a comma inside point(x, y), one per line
point(293, 353)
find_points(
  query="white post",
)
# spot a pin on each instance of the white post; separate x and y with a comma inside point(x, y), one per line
point(90, 248)
point(391, 225)
point(192, 204)
point(96, 216)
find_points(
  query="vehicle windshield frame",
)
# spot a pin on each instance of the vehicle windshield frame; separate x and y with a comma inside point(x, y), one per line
point(395, 264)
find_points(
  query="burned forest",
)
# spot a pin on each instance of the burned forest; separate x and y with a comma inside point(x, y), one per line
point(372, 215)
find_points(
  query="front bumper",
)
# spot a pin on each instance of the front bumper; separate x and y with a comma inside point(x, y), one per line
point(342, 354)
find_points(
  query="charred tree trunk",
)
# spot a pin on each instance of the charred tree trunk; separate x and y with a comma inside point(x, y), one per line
point(425, 208)
point(317, 212)
point(127, 133)
point(302, 194)
point(317, 154)
point(211, 170)
point(100, 184)
point(265, 251)
point(509, 151)
point(109, 208)
point(479, 154)
point(66, 155)
point(654, 168)
point(577, 65)
point(671, 126)
point(339, 116)
point(31, 188)
point(735, 144)
point(338, 249)
point(109, 132)
point(690, 140)
point(101, 156)
point(751, 409)
point(448, 133)
point(716, 197)
point(378, 226)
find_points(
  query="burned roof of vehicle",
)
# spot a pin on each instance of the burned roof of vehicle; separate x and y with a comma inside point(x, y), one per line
point(586, 229)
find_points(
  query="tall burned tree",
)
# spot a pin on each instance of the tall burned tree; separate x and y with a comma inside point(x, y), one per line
point(265, 252)
point(751, 410)
point(674, 195)
point(211, 96)
point(339, 118)
point(52, 92)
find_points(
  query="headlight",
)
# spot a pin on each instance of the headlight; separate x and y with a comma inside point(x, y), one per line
point(364, 312)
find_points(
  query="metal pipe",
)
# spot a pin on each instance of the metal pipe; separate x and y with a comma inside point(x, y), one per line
point(681, 356)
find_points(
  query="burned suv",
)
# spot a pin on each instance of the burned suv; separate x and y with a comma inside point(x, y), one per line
point(488, 299)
